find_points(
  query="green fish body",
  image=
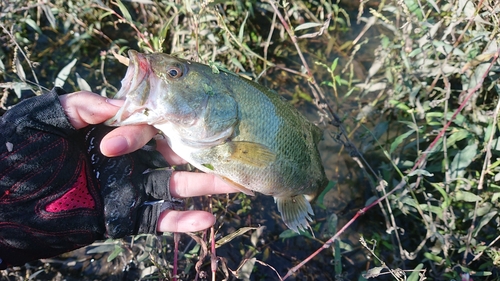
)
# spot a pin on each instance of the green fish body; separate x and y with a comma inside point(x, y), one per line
point(228, 126)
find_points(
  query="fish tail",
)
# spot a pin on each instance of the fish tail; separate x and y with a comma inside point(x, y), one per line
point(296, 212)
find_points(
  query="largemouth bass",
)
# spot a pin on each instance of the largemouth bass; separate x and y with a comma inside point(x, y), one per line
point(228, 126)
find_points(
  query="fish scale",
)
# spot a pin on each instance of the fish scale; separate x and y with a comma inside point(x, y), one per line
point(229, 126)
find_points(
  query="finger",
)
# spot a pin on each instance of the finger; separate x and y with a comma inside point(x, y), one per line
point(84, 108)
point(188, 184)
point(184, 221)
point(126, 139)
point(167, 152)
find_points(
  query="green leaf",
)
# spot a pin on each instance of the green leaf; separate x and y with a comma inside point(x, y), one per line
point(246, 269)
point(104, 248)
point(414, 8)
point(16, 86)
point(64, 73)
point(334, 64)
point(421, 172)
point(373, 272)
point(481, 273)
point(399, 105)
point(415, 274)
point(447, 200)
point(459, 119)
point(435, 209)
point(254, 238)
point(208, 166)
point(238, 64)
point(307, 25)
point(49, 15)
point(321, 197)
point(399, 140)
point(233, 235)
point(380, 129)
point(117, 251)
point(290, 233)
point(495, 197)
point(242, 28)
point(332, 223)
point(483, 209)
point(457, 136)
point(124, 10)
point(484, 221)
point(488, 131)
point(433, 257)
point(33, 25)
point(495, 144)
point(362, 278)
point(82, 84)
point(20, 70)
point(466, 196)
point(462, 160)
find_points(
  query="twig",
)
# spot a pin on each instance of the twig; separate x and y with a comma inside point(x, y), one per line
point(486, 158)
point(139, 33)
point(485, 170)
point(213, 256)
point(319, 96)
point(177, 237)
point(347, 225)
point(266, 46)
point(9, 33)
point(482, 252)
point(470, 92)
point(459, 39)
point(310, 77)
point(403, 182)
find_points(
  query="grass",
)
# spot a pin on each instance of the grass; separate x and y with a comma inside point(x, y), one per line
point(406, 91)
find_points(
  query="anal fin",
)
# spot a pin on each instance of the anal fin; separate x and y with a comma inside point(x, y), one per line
point(296, 212)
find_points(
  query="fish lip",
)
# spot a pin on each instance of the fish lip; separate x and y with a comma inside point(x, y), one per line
point(134, 76)
point(137, 72)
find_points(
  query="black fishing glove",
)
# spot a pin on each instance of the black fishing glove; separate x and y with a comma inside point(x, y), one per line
point(127, 182)
point(59, 193)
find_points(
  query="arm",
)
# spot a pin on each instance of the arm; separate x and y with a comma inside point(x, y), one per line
point(41, 165)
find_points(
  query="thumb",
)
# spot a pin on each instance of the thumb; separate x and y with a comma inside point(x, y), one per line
point(84, 108)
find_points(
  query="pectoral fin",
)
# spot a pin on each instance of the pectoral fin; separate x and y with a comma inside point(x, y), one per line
point(251, 153)
point(296, 212)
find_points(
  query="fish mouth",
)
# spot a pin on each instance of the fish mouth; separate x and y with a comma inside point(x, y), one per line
point(138, 69)
point(135, 90)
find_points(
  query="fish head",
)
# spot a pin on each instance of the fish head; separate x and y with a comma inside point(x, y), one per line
point(171, 93)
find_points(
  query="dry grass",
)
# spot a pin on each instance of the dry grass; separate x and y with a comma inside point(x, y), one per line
point(411, 86)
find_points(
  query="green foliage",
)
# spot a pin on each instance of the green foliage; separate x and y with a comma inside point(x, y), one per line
point(440, 81)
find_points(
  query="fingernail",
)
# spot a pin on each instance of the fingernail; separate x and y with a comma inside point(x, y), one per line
point(115, 102)
point(116, 146)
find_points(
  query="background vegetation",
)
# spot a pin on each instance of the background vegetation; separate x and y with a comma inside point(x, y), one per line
point(406, 91)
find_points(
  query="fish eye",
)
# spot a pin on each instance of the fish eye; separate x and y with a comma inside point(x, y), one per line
point(174, 71)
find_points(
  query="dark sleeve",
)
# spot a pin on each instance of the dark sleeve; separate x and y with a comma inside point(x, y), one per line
point(42, 113)
point(43, 168)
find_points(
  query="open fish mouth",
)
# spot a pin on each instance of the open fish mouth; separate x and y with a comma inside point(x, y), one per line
point(135, 91)
point(138, 69)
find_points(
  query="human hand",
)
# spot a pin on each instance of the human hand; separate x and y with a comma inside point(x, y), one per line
point(84, 108)
point(51, 204)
